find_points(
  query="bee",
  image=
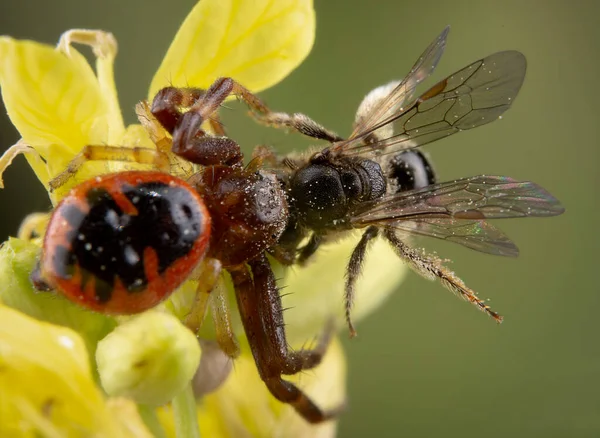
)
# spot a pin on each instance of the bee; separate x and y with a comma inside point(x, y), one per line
point(378, 181)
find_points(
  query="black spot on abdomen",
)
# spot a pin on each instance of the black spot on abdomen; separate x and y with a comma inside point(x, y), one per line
point(107, 243)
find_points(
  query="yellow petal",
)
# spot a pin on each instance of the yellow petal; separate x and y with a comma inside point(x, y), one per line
point(256, 42)
point(244, 407)
point(17, 260)
point(54, 100)
point(47, 386)
point(104, 46)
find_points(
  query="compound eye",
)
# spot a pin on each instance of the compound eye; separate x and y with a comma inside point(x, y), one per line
point(318, 195)
point(410, 170)
point(351, 184)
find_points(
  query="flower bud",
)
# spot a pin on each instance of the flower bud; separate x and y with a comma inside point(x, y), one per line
point(17, 261)
point(149, 358)
point(243, 406)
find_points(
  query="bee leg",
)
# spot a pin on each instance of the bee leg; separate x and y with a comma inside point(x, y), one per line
point(110, 153)
point(354, 270)
point(432, 268)
point(260, 308)
point(297, 122)
point(308, 250)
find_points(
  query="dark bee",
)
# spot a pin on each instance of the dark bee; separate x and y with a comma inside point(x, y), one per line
point(377, 181)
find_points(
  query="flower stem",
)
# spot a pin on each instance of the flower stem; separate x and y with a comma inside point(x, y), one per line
point(186, 417)
point(151, 421)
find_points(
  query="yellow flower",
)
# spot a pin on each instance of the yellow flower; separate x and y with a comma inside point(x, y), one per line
point(231, 413)
point(150, 358)
point(60, 104)
point(47, 388)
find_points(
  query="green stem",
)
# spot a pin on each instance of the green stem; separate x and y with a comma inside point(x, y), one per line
point(186, 416)
point(151, 421)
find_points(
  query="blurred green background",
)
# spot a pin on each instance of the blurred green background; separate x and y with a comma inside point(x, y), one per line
point(426, 364)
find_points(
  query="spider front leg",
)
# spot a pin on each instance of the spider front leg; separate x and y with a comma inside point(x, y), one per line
point(189, 140)
point(298, 122)
point(262, 315)
point(110, 153)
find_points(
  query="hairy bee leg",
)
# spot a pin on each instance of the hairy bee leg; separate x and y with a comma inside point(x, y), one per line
point(286, 250)
point(222, 319)
point(353, 272)
point(110, 153)
point(260, 309)
point(431, 268)
point(284, 255)
point(298, 122)
point(307, 251)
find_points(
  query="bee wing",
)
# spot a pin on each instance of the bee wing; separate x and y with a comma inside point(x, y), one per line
point(473, 96)
point(478, 235)
point(456, 210)
point(403, 92)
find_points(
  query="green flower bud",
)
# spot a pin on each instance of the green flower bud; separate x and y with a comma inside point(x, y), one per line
point(17, 260)
point(149, 358)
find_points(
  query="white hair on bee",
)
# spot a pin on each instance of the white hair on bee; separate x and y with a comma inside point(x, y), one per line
point(371, 101)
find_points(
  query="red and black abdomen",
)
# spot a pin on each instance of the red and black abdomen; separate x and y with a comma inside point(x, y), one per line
point(122, 243)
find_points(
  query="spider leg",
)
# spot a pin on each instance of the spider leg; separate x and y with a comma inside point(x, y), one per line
point(210, 293)
point(262, 315)
point(110, 153)
point(298, 122)
point(207, 275)
point(222, 320)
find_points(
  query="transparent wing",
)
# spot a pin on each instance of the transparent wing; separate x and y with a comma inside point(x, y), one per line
point(471, 97)
point(478, 235)
point(456, 210)
point(402, 93)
